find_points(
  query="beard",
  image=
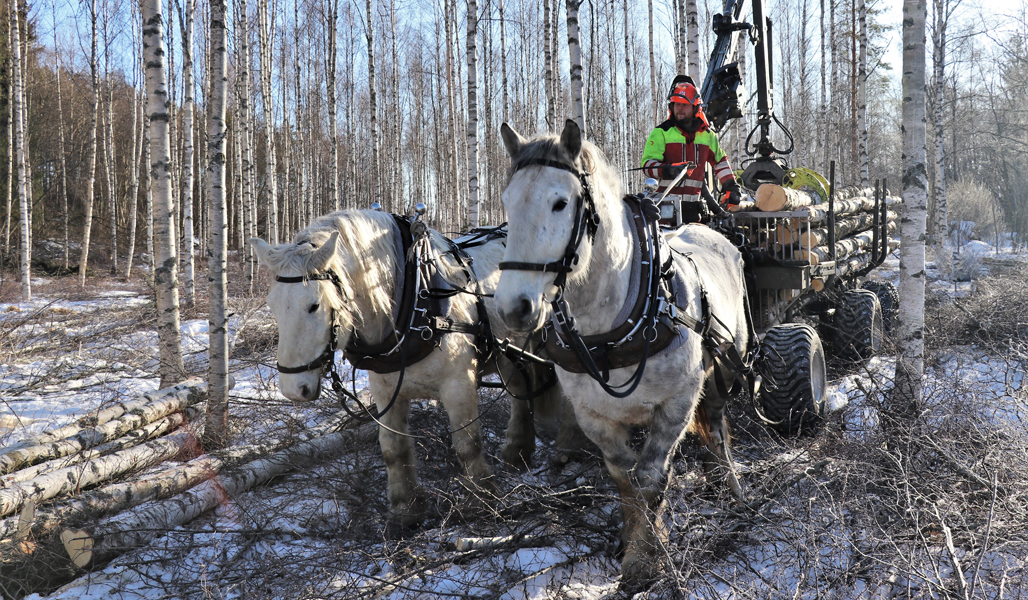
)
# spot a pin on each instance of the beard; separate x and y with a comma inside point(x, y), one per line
point(690, 124)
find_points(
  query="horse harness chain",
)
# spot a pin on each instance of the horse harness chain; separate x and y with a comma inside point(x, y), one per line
point(421, 318)
point(655, 317)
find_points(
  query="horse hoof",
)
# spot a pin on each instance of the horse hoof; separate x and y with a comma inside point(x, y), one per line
point(405, 517)
point(517, 458)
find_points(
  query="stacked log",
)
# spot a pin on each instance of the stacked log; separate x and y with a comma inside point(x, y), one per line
point(42, 547)
point(805, 236)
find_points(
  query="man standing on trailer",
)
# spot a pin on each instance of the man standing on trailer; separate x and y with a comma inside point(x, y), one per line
point(683, 139)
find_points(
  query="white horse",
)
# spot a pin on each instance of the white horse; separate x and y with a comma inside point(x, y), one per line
point(362, 250)
point(544, 197)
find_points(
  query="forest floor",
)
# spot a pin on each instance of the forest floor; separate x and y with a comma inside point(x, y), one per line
point(938, 511)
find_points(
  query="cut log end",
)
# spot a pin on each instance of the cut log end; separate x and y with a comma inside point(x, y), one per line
point(79, 546)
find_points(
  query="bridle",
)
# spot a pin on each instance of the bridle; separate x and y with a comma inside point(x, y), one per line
point(327, 357)
point(586, 223)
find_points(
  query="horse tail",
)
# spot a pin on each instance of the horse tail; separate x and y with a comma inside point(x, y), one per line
point(700, 424)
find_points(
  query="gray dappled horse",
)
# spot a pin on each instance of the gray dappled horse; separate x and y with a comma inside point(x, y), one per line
point(362, 251)
point(544, 199)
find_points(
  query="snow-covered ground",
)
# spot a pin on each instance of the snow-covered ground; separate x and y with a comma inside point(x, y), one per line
point(317, 533)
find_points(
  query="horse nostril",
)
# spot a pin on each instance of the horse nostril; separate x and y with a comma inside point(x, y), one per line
point(305, 392)
point(525, 307)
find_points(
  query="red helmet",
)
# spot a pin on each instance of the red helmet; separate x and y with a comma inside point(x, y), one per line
point(685, 93)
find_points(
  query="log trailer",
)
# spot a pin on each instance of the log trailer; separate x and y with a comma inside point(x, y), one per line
point(807, 255)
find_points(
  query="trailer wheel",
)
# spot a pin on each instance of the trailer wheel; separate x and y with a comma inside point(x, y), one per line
point(888, 297)
point(792, 367)
point(859, 326)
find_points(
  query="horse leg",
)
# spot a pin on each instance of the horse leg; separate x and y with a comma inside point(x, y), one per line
point(519, 443)
point(408, 503)
point(571, 440)
point(459, 395)
point(718, 440)
point(612, 439)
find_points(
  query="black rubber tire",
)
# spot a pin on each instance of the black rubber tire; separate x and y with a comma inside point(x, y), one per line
point(794, 377)
point(859, 325)
point(889, 298)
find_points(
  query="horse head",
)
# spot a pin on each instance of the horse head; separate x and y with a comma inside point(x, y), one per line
point(544, 199)
point(309, 309)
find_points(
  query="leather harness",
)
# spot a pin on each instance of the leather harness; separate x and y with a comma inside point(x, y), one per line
point(655, 319)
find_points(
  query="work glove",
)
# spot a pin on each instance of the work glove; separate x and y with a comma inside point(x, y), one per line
point(730, 195)
point(650, 210)
point(670, 171)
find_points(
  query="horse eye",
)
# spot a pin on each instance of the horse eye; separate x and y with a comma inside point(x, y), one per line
point(313, 308)
point(560, 205)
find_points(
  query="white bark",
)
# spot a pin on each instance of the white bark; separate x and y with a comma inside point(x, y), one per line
point(245, 136)
point(9, 124)
point(217, 406)
point(692, 39)
point(910, 331)
point(653, 63)
point(76, 477)
point(138, 527)
point(91, 155)
point(503, 65)
point(575, 56)
point(133, 195)
point(943, 254)
point(186, 251)
point(17, 108)
point(331, 23)
point(865, 179)
point(266, 30)
point(91, 436)
point(473, 205)
point(166, 257)
point(114, 498)
point(61, 150)
point(551, 119)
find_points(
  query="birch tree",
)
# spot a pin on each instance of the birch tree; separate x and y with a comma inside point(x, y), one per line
point(171, 367)
point(575, 56)
point(862, 168)
point(372, 93)
point(9, 125)
point(331, 24)
point(87, 223)
point(473, 113)
point(548, 70)
point(692, 39)
point(266, 29)
point(186, 27)
point(942, 11)
point(910, 362)
point(245, 136)
point(61, 145)
point(217, 406)
point(17, 110)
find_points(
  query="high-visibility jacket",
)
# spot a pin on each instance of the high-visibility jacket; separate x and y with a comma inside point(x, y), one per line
point(669, 144)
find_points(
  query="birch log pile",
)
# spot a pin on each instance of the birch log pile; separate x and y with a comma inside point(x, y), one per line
point(773, 198)
point(63, 541)
point(843, 248)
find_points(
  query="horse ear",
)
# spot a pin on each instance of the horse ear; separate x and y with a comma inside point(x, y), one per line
point(262, 249)
point(512, 140)
point(571, 139)
point(325, 253)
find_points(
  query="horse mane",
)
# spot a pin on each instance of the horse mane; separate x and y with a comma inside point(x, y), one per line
point(366, 259)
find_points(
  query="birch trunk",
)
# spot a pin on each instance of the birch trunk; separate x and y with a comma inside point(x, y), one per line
point(503, 66)
point(9, 123)
point(472, 215)
point(822, 139)
point(171, 368)
point(907, 393)
point(551, 118)
point(331, 21)
point(92, 436)
point(865, 179)
point(133, 196)
point(653, 64)
point(372, 96)
point(216, 431)
point(18, 111)
point(61, 146)
point(137, 528)
point(87, 223)
point(110, 165)
point(75, 477)
point(131, 438)
point(186, 252)
point(266, 29)
point(630, 108)
point(943, 255)
point(681, 60)
point(575, 56)
point(692, 39)
point(245, 136)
